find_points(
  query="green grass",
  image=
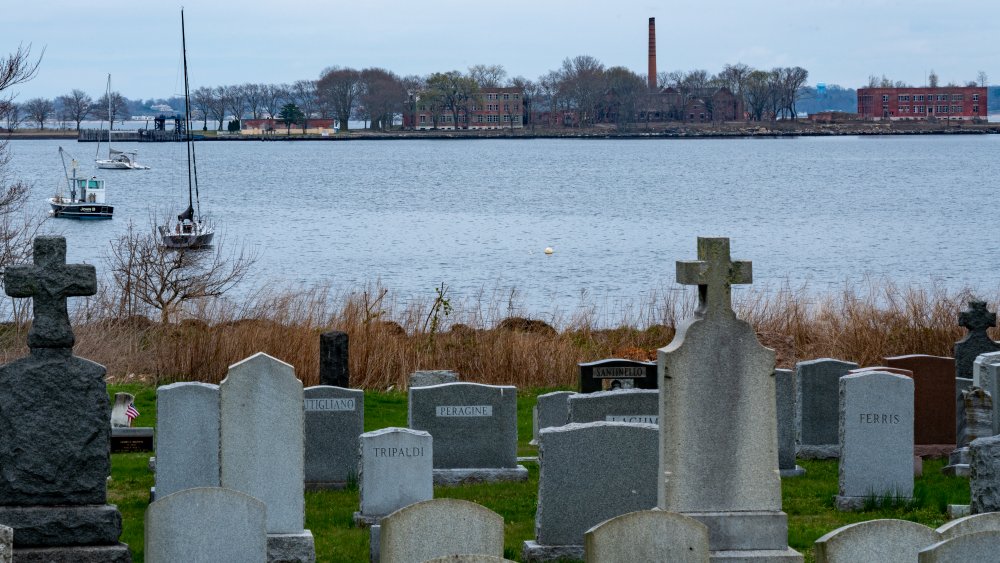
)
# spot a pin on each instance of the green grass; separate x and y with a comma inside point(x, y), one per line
point(808, 500)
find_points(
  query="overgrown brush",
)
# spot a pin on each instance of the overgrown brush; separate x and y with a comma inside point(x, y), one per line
point(481, 339)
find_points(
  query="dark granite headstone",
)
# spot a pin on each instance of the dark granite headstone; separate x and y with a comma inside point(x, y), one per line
point(333, 368)
point(593, 374)
point(54, 430)
point(933, 397)
point(977, 320)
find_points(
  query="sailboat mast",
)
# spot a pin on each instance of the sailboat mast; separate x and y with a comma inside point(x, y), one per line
point(111, 121)
point(187, 114)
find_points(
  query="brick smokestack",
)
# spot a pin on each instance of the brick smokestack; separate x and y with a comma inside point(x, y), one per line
point(651, 76)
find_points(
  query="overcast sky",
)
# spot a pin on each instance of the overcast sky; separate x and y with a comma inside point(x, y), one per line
point(236, 41)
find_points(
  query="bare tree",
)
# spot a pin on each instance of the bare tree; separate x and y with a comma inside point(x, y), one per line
point(340, 89)
point(625, 90)
point(932, 79)
point(790, 81)
point(236, 101)
point(530, 91)
point(582, 83)
point(118, 108)
point(254, 94)
point(17, 68)
point(982, 79)
point(38, 110)
point(164, 279)
point(487, 76)
point(217, 105)
point(275, 96)
point(758, 93)
point(382, 97)
point(305, 96)
point(202, 100)
point(76, 106)
point(11, 115)
point(455, 91)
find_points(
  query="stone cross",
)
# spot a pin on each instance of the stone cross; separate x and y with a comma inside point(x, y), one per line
point(977, 318)
point(714, 272)
point(49, 281)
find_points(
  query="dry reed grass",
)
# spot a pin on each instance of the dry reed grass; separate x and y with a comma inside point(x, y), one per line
point(481, 340)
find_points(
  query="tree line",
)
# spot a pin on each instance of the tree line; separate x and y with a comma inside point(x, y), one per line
point(582, 91)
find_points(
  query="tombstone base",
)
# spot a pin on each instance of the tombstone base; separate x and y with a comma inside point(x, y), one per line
point(957, 470)
point(82, 554)
point(797, 472)
point(933, 450)
point(366, 520)
point(375, 543)
point(325, 485)
point(533, 551)
point(126, 440)
point(291, 548)
point(818, 451)
point(61, 526)
point(787, 555)
point(758, 530)
point(482, 475)
point(956, 511)
point(848, 504)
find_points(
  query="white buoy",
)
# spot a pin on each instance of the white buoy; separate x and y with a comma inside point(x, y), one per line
point(548, 250)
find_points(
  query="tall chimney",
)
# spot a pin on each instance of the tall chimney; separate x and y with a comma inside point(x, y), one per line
point(651, 77)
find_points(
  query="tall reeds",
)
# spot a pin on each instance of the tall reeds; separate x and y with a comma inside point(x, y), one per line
point(485, 340)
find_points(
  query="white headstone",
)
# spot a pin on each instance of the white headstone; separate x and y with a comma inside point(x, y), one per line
point(119, 419)
point(396, 470)
point(986, 375)
point(647, 535)
point(440, 527)
point(187, 437)
point(885, 541)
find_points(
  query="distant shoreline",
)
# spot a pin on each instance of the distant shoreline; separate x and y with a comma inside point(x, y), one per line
point(680, 131)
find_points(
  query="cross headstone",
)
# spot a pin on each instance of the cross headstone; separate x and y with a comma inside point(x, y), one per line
point(977, 320)
point(54, 422)
point(718, 437)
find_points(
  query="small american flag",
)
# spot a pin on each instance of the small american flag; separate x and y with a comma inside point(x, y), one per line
point(131, 413)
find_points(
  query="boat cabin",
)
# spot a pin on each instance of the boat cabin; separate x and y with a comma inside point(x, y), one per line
point(91, 190)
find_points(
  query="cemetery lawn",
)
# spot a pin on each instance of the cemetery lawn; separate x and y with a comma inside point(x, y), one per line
point(808, 500)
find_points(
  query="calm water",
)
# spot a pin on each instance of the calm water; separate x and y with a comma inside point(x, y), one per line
point(478, 214)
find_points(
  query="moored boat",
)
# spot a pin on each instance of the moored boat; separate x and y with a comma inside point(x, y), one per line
point(87, 197)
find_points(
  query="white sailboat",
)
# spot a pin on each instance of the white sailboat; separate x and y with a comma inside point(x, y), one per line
point(191, 229)
point(117, 160)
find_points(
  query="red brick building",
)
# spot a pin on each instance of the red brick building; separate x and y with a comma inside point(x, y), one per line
point(947, 102)
point(493, 108)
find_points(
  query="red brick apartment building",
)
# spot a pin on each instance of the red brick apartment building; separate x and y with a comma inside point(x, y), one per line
point(948, 102)
point(493, 108)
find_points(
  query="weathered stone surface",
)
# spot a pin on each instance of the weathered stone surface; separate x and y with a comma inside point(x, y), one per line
point(576, 490)
point(118, 417)
point(975, 422)
point(718, 436)
point(876, 437)
point(54, 431)
point(334, 418)
point(986, 374)
point(48, 526)
point(206, 524)
point(627, 405)
point(618, 373)
point(553, 409)
point(977, 320)
point(984, 477)
point(648, 535)
point(817, 384)
point(933, 396)
point(988, 522)
point(396, 470)
point(440, 527)
point(261, 438)
point(980, 546)
point(480, 475)
point(187, 437)
point(117, 553)
point(334, 369)
point(6, 544)
point(291, 548)
point(473, 425)
point(784, 396)
point(469, 559)
point(885, 541)
point(432, 377)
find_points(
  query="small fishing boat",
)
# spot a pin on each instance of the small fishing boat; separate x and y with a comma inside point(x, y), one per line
point(87, 196)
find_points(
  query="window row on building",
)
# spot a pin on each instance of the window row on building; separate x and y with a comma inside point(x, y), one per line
point(949, 102)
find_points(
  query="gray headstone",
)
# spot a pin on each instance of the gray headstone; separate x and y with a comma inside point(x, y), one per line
point(988, 522)
point(876, 438)
point(118, 417)
point(977, 320)
point(984, 474)
point(432, 377)
point(187, 437)
point(986, 375)
point(980, 546)
point(440, 527)
point(396, 470)
point(6, 544)
point(639, 406)
point(961, 384)
point(718, 437)
point(976, 411)
point(335, 417)
point(817, 388)
point(206, 524)
point(54, 421)
point(589, 473)
point(647, 535)
point(885, 541)
point(551, 409)
point(473, 425)
point(334, 369)
point(784, 396)
point(261, 444)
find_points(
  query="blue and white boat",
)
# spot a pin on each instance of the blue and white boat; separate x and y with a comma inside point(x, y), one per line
point(87, 197)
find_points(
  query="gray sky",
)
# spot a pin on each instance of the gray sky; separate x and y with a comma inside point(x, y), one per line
point(231, 42)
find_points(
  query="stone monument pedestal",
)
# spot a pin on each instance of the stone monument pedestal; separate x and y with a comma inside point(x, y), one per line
point(760, 535)
point(480, 475)
point(533, 551)
point(797, 472)
point(291, 548)
point(958, 463)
